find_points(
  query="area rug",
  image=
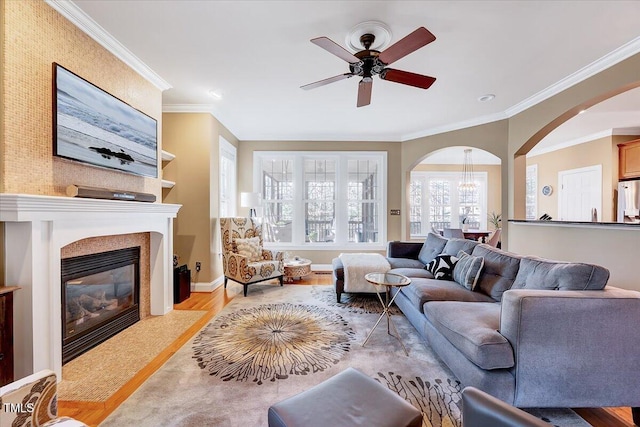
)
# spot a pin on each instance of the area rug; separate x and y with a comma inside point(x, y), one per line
point(99, 373)
point(277, 342)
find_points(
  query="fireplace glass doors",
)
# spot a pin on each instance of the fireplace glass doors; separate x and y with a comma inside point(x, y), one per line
point(100, 295)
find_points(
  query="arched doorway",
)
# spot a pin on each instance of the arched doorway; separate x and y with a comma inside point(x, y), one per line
point(436, 199)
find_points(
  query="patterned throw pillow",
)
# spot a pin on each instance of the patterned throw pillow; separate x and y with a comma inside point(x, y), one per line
point(250, 248)
point(442, 267)
point(467, 270)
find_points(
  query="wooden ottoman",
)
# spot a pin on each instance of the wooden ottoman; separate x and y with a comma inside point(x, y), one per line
point(350, 398)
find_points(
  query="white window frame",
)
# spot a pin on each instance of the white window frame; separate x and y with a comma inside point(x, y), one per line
point(228, 151)
point(531, 174)
point(454, 179)
point(341, 213)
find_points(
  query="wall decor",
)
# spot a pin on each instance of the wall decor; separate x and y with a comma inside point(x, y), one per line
point(547, 190)
point(94, 127)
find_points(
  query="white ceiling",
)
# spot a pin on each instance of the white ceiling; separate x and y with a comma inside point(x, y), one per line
point(257, 54)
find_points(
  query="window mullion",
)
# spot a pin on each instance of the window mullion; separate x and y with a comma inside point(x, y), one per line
point(298, 201)
point(342, 217)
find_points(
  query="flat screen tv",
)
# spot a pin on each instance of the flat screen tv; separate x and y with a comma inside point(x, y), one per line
point(94, 127)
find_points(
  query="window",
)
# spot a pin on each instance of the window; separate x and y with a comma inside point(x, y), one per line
point(227, 179)
point(436, 202)
point(322, 199)
point(531, 192)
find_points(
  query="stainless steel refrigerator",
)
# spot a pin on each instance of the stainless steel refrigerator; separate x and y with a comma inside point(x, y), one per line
point(629, 201)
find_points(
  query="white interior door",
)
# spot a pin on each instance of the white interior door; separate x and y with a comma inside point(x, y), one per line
point(580, 192)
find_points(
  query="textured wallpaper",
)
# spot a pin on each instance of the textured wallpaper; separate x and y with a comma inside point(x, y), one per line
point(35, 36)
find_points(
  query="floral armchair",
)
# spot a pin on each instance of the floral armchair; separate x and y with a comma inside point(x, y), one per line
point(32, 402)
point(243, 258)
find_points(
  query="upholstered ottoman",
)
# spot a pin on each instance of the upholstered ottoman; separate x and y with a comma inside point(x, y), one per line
point(350, 398)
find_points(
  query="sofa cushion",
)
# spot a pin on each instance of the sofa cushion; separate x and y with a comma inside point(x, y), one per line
point(405, 263)
point(422, 290)
point(454, 246)
point(432, 246)
point(442, 266)
point(472, 327)
point(467, 270)
point(499, 271)
point(538, 273)
point(412, 272)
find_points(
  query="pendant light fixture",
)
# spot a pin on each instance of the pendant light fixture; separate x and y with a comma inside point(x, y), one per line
point(467, 182)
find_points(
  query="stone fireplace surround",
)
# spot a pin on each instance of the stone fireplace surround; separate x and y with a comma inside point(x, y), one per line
point(37, 228)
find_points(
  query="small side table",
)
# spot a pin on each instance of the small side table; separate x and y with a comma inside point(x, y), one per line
point(296, 267)
point(388, 280)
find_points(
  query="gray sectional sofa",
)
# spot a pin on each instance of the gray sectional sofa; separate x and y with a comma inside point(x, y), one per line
point(532, 332)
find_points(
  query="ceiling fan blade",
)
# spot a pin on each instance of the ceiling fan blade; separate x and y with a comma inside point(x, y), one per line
point(405, 46)
point(407, 78)
point(333, 47)
point(326, 81)
point(364, 91)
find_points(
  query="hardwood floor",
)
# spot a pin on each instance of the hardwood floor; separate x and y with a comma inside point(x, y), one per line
point(94, 413)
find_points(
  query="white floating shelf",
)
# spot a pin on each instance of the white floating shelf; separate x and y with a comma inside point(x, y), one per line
point(167, 184)
point(167, 156)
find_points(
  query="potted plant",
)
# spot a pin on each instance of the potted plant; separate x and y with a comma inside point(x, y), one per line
point(465, 223)
point(495, 219)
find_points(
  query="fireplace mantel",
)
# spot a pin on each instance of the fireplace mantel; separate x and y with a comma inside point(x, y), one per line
point(37, 228)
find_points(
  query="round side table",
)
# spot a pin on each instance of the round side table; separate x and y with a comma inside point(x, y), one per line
point(296, 268)
point(388, 280)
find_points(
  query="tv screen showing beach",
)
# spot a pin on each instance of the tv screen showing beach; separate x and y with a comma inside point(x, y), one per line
point(94, 127)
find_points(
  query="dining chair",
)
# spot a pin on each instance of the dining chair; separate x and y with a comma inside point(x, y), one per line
point(495, 239)
point(455, 233)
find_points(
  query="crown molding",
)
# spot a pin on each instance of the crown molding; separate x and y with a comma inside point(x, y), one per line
point(84, 22)
point(620, 54)
point(581, 140)
point(482, 120)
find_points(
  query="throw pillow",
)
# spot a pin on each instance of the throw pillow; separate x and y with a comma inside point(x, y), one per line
point(431, 247)
point(250, 248)
point(442, 267)
point(467, 270)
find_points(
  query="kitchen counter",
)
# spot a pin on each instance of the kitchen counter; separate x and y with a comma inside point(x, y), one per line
point(588, 224)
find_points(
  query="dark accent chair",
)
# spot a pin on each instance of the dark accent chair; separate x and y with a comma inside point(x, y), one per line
point(480, 409)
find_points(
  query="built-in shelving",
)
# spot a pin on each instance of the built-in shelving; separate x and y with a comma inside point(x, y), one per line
point(167, 156)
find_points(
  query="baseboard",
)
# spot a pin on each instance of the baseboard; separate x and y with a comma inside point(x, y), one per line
point(207, 287)
point(320, 267)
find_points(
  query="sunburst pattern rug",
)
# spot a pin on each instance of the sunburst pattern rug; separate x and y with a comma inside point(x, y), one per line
point(278, 342)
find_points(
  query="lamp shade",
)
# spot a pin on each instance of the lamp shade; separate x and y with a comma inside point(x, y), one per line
point(250, 200)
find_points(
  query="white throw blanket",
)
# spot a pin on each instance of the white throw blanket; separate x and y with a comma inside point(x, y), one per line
point(355, 268)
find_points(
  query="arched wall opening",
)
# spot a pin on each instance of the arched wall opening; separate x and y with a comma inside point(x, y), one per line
point(490, 137)
point(436, 200)
point(520, 155)
point(611, 245)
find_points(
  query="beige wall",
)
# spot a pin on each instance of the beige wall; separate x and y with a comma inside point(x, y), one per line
point(613, 249)
point(194, 139)
point(494, 182)
point(34, 36)
point(602, 151)
point(245, 178)
point(597, 152)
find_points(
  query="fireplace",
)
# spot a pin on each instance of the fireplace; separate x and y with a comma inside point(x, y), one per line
point(100, 297)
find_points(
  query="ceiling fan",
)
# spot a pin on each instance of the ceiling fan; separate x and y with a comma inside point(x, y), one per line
point(369, 62)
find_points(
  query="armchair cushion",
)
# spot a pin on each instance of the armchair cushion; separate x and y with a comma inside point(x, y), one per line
point(249, 248)
point(35, 400)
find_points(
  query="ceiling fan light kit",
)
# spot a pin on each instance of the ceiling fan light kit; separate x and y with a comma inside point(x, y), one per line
point(370, 61)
